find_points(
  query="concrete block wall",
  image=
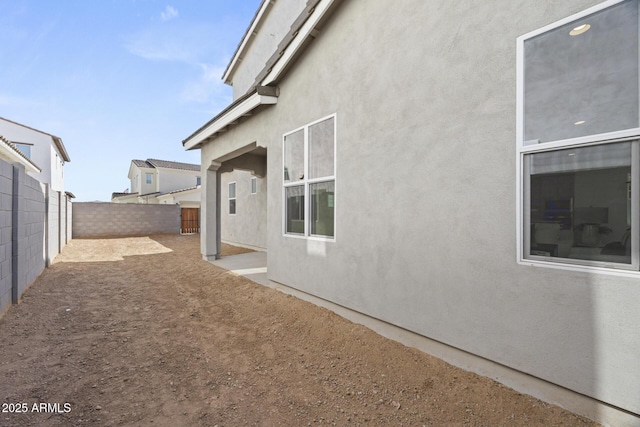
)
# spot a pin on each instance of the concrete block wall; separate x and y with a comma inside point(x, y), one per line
point(93, 219)
point(34, 227)
point(53, 223)
point(62, 220)
point(69, 226)
point(6, 203)
point(22, 232)
point(31, 260)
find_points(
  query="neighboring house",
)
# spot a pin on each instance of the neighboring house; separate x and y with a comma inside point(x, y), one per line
point(11, 154)
point(462, 177)
point(43, 149)
point(156, 181)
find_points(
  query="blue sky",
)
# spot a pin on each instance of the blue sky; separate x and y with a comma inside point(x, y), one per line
point(117, 79)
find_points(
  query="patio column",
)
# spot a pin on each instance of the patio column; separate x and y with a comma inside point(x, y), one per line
point(210, 215)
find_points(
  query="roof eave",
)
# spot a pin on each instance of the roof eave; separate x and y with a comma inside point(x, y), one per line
point(241, 107)
point(317, 11)
point(251, 32)
point(16, 156)
point(63, 151)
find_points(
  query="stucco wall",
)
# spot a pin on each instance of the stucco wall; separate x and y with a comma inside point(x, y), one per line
point(174, 179)
point(42, 153)
point(426, 193)
point(272, 30)
point(114, 219)
point(248, 227)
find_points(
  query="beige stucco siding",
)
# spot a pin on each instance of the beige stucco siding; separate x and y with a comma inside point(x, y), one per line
point(175, 179)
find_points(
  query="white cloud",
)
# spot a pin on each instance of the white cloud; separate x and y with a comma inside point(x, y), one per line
point(169, 13)
point(179, 42)
point(207, 88)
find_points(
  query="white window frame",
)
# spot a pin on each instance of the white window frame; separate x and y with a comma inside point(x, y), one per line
point(306, 182)
point(254, 185)
point(598, 139)
point(149, 178)
point(234, 198)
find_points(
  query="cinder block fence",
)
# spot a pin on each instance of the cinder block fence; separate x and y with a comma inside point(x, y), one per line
point(100, 219)
point(34, 227)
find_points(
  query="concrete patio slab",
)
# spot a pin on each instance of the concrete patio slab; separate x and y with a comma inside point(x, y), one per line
point(252, 265)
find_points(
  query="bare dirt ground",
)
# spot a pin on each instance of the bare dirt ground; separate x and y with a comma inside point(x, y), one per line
point(141, 331)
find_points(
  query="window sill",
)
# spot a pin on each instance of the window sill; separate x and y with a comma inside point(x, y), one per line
point(314, 238)
point(581, 268)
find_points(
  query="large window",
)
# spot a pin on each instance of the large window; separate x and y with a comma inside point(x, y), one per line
point(309, 180)
point(578, 140)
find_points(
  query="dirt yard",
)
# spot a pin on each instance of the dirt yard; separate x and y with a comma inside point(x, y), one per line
point(141, 331)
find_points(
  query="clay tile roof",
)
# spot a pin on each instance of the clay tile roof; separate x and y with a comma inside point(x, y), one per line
point(173, 165)
point(184, 189)
point(142, 163)
point(114, 195)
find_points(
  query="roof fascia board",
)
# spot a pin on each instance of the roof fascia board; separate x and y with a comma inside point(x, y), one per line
point(298, 42)
point(61, 149)
point(244, 43)
point(244, 107)
point(56, 139)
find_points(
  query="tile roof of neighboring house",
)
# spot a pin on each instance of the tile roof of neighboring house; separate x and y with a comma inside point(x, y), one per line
point(155, 163)
point(114, 195)
point(56, 139)
point(174, 165)
point(142, 163)
point(9, 145)
point(184, 189)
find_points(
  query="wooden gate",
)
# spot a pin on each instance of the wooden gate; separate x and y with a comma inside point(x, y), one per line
point(190, 223)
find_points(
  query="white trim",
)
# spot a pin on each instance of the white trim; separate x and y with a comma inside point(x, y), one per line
point(614, 269)
point(229, 117)
point(249, 35)
point(254, 185)
point(296, 44)
point(635, 205)
point(582, 141)
point(569, 19)
point(229, 198)
point(306, 181)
